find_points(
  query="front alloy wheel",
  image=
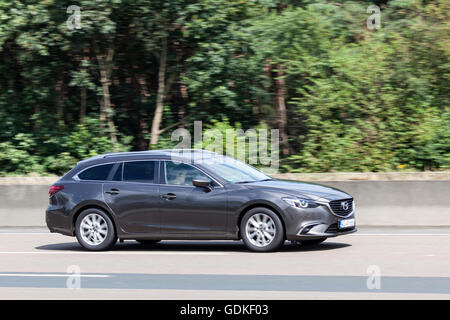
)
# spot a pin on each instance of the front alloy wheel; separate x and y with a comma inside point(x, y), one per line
point(262, 230)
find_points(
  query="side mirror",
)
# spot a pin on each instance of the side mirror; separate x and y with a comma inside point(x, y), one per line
point(202, 184)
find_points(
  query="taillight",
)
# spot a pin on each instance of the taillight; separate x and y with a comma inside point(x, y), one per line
point(54, 189)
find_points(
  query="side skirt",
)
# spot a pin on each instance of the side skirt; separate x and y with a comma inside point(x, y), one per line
point(172, 236)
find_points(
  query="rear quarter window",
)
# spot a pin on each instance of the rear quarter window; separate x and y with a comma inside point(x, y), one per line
point(96, 173)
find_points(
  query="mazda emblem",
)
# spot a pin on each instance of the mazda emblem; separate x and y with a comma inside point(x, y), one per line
point(344, 205)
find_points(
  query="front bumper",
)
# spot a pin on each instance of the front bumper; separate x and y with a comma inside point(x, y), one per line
point(318, 232)
point(314, 223)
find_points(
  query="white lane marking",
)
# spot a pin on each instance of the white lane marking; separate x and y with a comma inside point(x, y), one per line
point(53, 275)
point(117, 253)
point(27, 233)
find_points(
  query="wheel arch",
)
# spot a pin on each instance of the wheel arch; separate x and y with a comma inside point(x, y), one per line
point(95, 205)
point(253, 205)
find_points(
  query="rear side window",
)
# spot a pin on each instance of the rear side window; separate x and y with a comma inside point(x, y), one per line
point(140, 171)
point(118, 175)
point(96, 173)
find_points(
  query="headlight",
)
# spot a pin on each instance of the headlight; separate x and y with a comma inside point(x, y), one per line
point(300, 203)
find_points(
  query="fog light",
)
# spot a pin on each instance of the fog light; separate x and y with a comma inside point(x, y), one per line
point(306, 229)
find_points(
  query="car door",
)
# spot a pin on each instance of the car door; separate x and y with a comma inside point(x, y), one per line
point(190, 210)
point(133, 195)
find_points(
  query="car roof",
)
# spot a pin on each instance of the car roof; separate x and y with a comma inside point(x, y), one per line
point(177, 154)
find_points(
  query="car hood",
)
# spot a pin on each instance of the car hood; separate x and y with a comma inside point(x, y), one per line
point(313, 191)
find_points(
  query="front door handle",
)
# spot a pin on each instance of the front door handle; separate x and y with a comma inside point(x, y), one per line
point(113, 191)
point(169, 196)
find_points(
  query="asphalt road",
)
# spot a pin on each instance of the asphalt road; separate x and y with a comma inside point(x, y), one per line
point(412, 264)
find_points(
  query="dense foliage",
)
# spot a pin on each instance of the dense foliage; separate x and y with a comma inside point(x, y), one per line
point(344, 97)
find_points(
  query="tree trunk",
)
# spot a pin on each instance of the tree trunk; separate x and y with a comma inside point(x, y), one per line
point(281, 109)
point(185, 98)
point(58, 100)
point(143, 131)
point(83, 104)
point(105, 65)
point(107, 105)
point(157, 118)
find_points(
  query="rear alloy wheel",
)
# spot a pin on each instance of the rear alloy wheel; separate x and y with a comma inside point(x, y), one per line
point(261, 230)
point(95, 230)
point(148, 242)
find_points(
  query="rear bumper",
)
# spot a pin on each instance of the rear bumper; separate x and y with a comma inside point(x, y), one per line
point(58, 222)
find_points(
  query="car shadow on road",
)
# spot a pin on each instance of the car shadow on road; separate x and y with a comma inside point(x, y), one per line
point(176, 245)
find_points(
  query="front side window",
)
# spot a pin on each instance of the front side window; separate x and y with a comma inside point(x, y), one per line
point(96, 173)
point(182, 174)
point(139, 171)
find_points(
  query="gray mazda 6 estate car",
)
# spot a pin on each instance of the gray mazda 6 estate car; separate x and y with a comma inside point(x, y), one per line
point(191, 194)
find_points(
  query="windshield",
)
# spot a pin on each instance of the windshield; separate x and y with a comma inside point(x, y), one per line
point(233, 170)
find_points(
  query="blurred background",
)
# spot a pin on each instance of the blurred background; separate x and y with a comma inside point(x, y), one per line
point(80, 78)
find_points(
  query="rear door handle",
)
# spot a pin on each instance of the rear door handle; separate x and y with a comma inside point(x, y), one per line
point(113, 191)
point(169, 196)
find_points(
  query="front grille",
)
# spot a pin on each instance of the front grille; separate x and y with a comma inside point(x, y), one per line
point(342, 207)
point(333, 228)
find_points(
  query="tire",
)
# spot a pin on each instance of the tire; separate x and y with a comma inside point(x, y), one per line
point(257, 239)
point(314, 241)
point(148, 242)
point(102, 236)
